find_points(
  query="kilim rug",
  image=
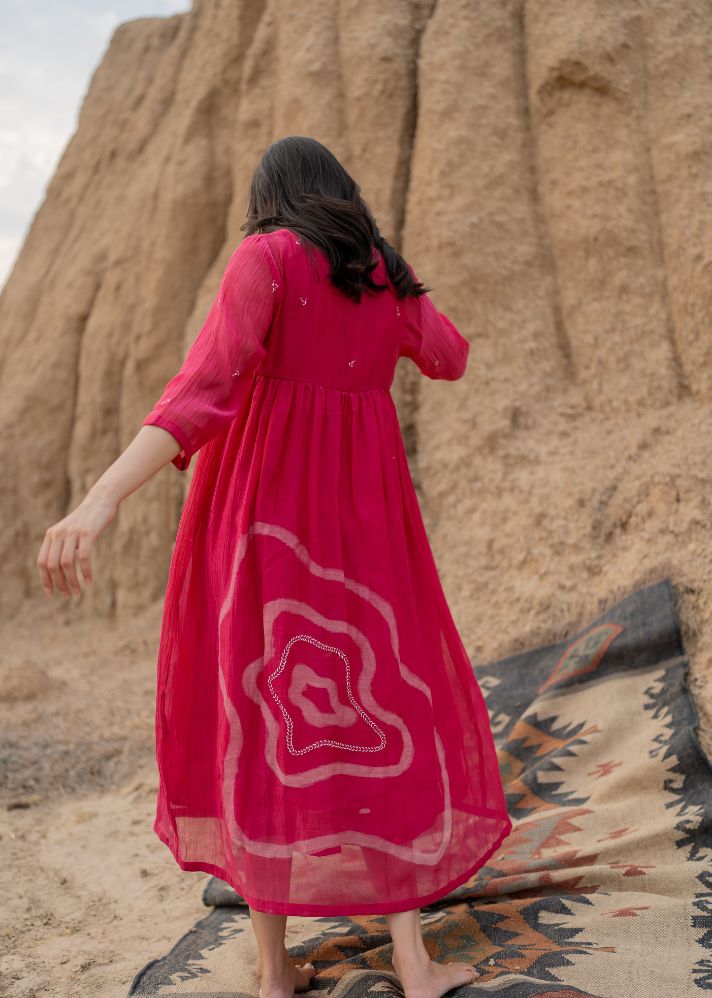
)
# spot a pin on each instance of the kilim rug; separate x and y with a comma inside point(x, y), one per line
point(603, 888)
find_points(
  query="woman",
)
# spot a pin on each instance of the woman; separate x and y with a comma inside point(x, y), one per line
point(322, 743)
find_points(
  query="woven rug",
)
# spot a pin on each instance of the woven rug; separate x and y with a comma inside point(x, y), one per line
point(604, 887)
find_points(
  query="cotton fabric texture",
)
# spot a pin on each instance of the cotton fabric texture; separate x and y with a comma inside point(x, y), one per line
point(323, 745)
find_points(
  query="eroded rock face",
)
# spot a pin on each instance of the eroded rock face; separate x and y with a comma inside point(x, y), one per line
point(547, 171)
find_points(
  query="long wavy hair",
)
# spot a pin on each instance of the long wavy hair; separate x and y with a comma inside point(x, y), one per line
point(299, 184)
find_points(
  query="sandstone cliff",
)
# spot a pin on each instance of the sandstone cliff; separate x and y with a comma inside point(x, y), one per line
point(546, 168)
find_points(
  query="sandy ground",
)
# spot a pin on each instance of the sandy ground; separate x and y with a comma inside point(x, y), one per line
point(89, 892)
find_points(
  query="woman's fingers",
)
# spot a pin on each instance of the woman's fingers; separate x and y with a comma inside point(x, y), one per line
point(71, 539)
point(67, 562)
point(57, 560)
point(45, 576)
point(86, 539)
point(54, 562)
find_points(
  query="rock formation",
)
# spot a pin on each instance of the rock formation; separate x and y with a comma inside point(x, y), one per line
point(546, 167)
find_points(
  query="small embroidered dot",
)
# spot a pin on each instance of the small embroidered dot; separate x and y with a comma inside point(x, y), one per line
point(364, 810)
point(298, 241)
point(220, 298)
point(234, 373)
point(437, 362)
point(303, 301)
point(351, 363)
point(274, 286)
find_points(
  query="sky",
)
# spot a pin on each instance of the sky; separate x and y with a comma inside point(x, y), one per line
point(48, 52)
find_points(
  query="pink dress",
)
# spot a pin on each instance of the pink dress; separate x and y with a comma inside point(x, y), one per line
point(322, 743)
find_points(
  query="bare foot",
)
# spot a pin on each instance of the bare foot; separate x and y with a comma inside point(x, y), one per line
point(423, 978)
point(283, 983)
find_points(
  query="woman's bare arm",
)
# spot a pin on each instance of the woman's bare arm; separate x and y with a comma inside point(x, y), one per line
point(73, 537)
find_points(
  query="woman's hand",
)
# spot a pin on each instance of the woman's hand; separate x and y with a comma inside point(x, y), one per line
point(72, 538)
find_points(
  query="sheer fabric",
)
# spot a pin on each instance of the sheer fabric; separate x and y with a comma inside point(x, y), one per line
point(322, 743)
point(206, 394)
point(432, 340)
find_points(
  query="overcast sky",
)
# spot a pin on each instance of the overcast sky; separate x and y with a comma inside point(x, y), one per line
point(48, 52)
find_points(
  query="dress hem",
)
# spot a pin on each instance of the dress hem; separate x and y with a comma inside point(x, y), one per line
point(308, 910)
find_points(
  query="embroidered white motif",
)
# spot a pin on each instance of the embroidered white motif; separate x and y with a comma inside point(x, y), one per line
point(274, 286)
point(163, 402)
point(234, 373)
point(437, 362)
point(397, 310)
point(303, 301)
point(354, 703)
point(351, 363)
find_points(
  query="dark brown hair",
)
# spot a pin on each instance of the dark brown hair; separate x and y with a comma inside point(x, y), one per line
point(299, 184)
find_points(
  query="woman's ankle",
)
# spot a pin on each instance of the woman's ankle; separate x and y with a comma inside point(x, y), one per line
point(410, 956)
point(273, 966)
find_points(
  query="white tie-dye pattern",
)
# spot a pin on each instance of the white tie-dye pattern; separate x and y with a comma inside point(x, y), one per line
point(340, 714)
point(321, 742)
point(414, 853)
point(307, 777)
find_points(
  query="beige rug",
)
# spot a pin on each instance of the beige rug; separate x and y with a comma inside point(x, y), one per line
point(604, 887)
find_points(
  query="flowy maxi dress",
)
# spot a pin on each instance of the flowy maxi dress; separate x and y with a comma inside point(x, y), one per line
point(323, 745)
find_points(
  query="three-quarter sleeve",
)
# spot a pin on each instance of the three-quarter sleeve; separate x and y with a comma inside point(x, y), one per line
point(431, 339)
point(206, 393)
